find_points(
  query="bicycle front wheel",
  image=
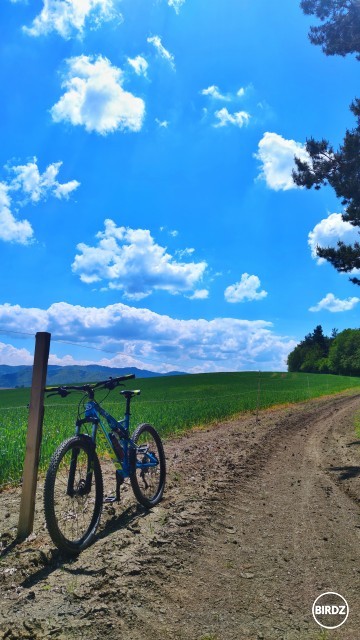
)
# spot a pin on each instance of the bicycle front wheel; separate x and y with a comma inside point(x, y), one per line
point(148, 467)
point(73, 495)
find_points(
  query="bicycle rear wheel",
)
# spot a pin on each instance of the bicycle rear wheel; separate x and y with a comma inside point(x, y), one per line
point(73, 494)
point(148, 467)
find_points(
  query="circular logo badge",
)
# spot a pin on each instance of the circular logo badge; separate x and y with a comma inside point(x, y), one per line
point(330, 610)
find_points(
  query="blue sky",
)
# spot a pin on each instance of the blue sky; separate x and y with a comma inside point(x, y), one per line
point(147, 212)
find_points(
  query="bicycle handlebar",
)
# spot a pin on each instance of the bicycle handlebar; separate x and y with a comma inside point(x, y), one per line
point(110, 383)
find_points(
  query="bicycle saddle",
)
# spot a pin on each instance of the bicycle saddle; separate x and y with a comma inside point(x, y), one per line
point(129, 394)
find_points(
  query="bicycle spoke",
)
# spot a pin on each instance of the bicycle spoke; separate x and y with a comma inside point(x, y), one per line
point(148, 476)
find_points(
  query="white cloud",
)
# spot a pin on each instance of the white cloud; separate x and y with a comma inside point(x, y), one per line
point(12, 230)
point(139, 64)
point(142, 336)
point(176, 4)
point(246, 289)
point(238, 119)
point(328, 232)
point(164, 53)
point(130, 260)
point(214, 92)
point(330, 303)
point(199, 294)
point(163, 124)
point(12, 356)
point(171, 232)
point(94, 97)
point(27, 184)
point(277, 157)
point(181, 253)
point(67, 17)
point(36, 185)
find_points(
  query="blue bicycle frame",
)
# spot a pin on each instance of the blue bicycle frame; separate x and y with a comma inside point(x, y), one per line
point(118, 429)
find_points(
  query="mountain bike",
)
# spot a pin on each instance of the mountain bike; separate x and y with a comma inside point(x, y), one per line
point(73, 492)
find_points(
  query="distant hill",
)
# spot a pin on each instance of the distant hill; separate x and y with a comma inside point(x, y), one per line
point(20, 376)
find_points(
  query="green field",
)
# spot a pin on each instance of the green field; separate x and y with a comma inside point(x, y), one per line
point(172, 404)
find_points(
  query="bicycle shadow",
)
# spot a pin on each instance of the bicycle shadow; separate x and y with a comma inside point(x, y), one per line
point(8, 548)
point(58, 560)
point(347, 472)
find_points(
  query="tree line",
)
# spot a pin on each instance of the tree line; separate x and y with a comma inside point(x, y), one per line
point(337, 354)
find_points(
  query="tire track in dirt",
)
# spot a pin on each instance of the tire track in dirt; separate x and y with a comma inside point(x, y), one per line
point(293, 545)
point(256, 522)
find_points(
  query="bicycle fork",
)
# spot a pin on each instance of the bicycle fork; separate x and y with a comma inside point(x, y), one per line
point(84, 485)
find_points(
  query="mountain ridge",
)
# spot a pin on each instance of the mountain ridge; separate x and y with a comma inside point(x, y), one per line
point(21, 375)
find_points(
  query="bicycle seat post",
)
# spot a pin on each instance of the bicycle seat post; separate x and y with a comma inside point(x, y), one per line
point(128, 395)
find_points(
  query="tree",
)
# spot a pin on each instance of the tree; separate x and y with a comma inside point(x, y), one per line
point(341, 170)
point(344, 353)
point(310, 355)
point(340, 32)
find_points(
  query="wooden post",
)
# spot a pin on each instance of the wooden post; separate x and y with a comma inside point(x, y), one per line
point(258, 400)
point(34, 434)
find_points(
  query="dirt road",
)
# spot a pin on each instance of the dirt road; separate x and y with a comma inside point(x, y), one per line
point(260, 516)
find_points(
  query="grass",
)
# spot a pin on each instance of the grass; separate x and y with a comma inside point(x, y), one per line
point(357, 424)
point(173, 404)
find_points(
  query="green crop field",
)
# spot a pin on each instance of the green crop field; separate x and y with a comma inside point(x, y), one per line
point(172, 404)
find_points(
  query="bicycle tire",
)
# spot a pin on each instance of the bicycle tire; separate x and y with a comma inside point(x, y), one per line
point(147, 484)
point(73, 495)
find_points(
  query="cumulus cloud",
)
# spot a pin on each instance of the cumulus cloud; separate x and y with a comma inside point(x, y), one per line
point(13, 356)
point(12, 230)
point(199, 294)
point(94, 97)
point(214, 92)
point(139, 64)
point(335, 305)
point(221, 344)
point(27, 184)
point(130, 260)
point(176, 4)
point(246, 289)
point(276, 155)
point(38, 186)
point(164, 53)
point(328, 232)
point(238, 119)
point(68, 17)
